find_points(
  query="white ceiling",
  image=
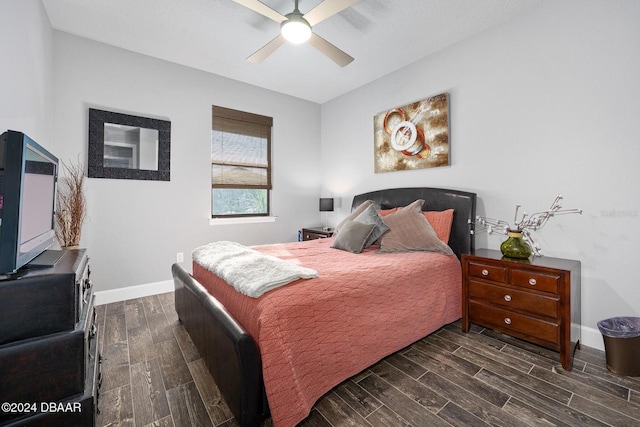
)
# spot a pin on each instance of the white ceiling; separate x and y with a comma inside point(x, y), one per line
point(218, 35)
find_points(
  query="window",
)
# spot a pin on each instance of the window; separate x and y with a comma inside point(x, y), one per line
point(240, 163)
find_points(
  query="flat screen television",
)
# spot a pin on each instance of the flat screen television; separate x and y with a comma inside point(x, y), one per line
point(28, 179)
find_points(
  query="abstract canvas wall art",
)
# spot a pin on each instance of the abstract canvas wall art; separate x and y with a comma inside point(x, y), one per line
point(414, 136)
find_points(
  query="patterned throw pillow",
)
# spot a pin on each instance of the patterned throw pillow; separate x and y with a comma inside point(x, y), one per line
point(441, 223)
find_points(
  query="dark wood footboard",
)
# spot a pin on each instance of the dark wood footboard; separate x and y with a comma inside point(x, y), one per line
point(230, 353)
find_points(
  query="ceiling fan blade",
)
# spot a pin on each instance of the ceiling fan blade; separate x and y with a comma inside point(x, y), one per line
point(326, 9)
point(262, 9)
point(266, 50)
point(335, 54)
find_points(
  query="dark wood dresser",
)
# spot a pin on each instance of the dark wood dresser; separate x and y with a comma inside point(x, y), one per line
point(537, 300)
point(316, 233)
point(49, 360)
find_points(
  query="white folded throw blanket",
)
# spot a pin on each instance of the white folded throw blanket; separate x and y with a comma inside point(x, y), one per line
point(251, 272)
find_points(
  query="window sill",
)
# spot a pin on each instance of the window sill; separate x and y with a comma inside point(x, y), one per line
point(242, 220)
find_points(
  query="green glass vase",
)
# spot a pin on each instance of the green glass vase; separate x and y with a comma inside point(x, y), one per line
point(515, 246)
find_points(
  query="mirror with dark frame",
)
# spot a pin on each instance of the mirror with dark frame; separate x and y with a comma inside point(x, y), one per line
point(123, 146)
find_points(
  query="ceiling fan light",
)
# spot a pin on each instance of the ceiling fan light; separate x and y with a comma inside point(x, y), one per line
point(296, 30)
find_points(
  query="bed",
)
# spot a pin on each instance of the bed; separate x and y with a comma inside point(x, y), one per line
point(286, 367)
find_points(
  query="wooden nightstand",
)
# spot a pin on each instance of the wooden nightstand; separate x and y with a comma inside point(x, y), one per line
point(537, 300)
point(316, 233)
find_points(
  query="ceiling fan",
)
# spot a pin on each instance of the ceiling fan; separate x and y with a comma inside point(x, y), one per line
point(296, 28)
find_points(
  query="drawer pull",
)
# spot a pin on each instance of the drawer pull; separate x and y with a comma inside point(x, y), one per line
point(507, 298)
point(532, 281)
point(507, 320)
point(485, 272)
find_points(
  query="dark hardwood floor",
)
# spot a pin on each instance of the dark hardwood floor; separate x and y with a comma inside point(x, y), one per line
point(153, 376)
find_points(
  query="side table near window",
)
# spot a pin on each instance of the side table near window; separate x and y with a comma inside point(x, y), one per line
point(537, 299)
point(313, 233)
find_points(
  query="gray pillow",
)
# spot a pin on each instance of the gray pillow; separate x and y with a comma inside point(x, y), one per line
point(410, 231)
point(357, 211)
point(370, 216)
point(353, 236)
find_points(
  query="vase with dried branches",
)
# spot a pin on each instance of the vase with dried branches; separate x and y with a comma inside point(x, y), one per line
point(520, 243)
point(70, 206)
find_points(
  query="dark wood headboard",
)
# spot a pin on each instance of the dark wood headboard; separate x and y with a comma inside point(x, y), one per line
point(463, 203)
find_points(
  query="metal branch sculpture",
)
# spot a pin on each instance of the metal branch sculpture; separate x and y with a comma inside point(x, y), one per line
point(526, 223)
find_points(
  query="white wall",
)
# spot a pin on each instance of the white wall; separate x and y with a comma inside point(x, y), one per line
point(542, 105)
point(25, 73)
point(136, 228)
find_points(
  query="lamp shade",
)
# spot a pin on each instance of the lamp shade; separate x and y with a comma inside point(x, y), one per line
point(326, 204)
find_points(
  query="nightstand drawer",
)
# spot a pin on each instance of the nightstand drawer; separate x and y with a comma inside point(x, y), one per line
point(508, 321)
point(310, 235)
point(489, 272)
point(537, 300)
point(534, 280)
point(513, 299)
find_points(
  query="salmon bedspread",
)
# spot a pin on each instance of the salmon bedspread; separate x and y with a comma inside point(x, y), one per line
point(315, 333)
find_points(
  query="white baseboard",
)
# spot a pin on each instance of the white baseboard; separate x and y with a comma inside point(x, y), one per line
point(590, 337)
point(122, 294)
